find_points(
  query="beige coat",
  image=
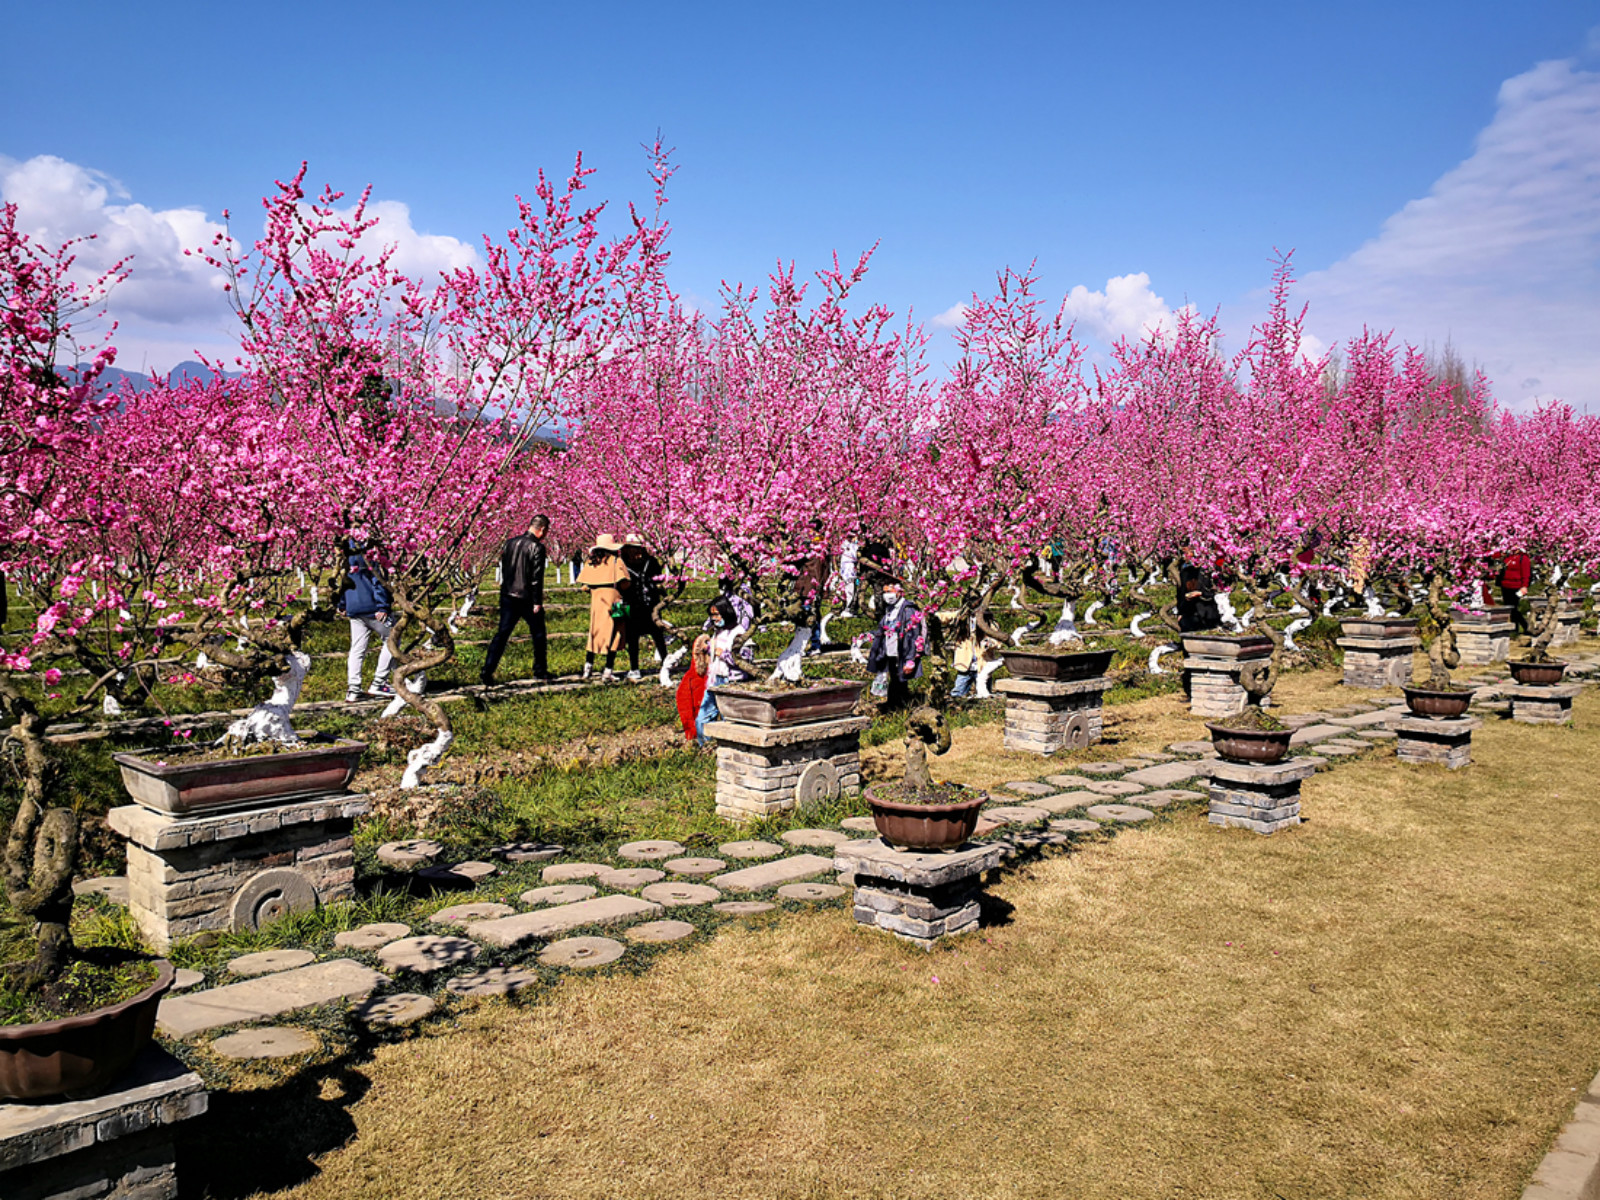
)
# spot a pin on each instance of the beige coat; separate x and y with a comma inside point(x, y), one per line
point(605, 581)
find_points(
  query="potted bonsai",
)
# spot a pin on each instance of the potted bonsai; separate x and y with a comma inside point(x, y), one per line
point(1253, 735)
point(1438, 696)
point(72, 1020)
point(917, 813)
point(1538, 668)
point(1061, 655)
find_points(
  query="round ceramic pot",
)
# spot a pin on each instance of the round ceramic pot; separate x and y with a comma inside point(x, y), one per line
point(1537, 674)
point(1250, 745)
point(1428, 702)
point(79, 1056)
point(924, 826)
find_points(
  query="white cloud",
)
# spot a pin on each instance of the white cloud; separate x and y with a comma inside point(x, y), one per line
point(172, 304)
point(951, 318)
point(1128, 308)
point(1502, 257)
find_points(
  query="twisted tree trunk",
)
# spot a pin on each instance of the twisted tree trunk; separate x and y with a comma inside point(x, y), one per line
point(41, 851)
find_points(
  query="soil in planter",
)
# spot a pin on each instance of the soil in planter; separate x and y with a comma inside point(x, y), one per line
point(94, 980)
point(939, 793)
point(184, 755)
point(1254, 720)
point(1452, 686)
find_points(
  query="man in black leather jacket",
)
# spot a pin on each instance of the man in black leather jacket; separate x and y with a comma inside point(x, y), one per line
point(522, 564)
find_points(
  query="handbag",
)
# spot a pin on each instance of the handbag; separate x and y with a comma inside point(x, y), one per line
point(619, 610)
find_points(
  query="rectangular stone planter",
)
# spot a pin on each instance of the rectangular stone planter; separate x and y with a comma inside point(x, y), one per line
point(183, 788)
point(764, 771)
point(234, 870)
point(1048, 716)
point(1443, 740)
point(1378, 651)
point(1263, 797)
point(1549, 705)
point(1483, 636)
point(118, 1145)
point(793, 706)
point(919, 898)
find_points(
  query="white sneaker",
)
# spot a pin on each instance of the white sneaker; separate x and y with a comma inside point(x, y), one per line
point(352, 696)
point(588, 670)
point(608, 676)
point(634, 677)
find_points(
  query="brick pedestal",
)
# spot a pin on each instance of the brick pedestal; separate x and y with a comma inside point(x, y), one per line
point(1443, 740)
point(1549, 705)
point(919, 898)
point(1045, 716)
point(764, 771)
point(236, 870)
point(1264, 797)
point(1482, 636)
point(1568, 616)
point(1211, 671)
point(1378, 651)
point(117, 1146)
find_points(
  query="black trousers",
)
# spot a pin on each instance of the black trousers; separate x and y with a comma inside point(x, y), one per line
point(1518, 621)
point(633, 632)
point(512, 610)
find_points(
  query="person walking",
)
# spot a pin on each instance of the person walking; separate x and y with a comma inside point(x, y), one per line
point(644, 572)
point(522, 565)
point(606, 578)
point(898, 645)
point(366, 602)
point(1513, 580)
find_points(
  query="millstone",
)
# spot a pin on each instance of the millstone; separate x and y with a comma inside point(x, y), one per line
point(427, 953)
point(810, 891)
point(659, 931)
point(673, 894)
point(464, 874)
point(1103, 768)
point(490, 981)
point(1113, 787)
point(1029, 787)
point(460, 914)
point(267, 1042)
point(1119, 812)
point(561, 893)
point(1075, 825)
point(566, 872)
point(1067, 782)
point(628, 880)
point(1165, 797)
point(113, 887)
point(750, 849)
point(859, 825)
point(412, 853)
point(815, 837)
point(1015, 814)
point(268, 961)
point(818, 783)
point(648, 851)
point(743, 908)
point(402, 1008)
point(527, 852)
point(268, 895)
point(183, 979)
point(581, 952)
point(371, 937)
point(694, 866)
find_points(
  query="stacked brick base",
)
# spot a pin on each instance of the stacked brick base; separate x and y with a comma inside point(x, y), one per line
point(1483, 637)
point(1048, 716)
point(1264, 797)
point(1443, 740)
point(236, 870)
point(1549, 705)
point(918, 897)
point(1378, 652)
point(763, 771)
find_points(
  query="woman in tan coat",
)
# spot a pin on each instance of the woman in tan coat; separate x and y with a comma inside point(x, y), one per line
point(606, 577)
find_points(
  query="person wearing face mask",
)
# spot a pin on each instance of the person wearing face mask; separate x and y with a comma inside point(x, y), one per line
point(721, 667)
point(897, 645)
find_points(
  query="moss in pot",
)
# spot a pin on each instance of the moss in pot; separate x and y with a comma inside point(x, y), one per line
point(1252, 736)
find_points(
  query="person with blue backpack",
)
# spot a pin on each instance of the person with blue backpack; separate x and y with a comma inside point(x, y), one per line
point(367, 603)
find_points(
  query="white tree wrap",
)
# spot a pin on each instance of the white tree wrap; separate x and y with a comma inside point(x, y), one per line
point(270, 721)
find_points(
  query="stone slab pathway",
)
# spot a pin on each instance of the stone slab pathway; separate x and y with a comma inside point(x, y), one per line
point(523, 927)
point(772, 874)
point(266, 997)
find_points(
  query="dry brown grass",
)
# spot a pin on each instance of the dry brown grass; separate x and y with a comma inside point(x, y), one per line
point(1396, 1000)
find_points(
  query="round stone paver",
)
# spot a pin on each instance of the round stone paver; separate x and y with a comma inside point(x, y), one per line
point(267, 1042)
point(527, 852)
point(412, 853)
point(1029, 787)
point(183, 979)
point(463, 874)
point(1190, 747)
point(1113, 787)
point(743, 908)
point(673, 894)
point(427, 953)
point(581, 952)
point(490, 981)
point(648, 851)
point(859, 825)
point(1067, 782)
point(750, 849)
point(1119, 812)
point(1103, 768)
point(113, 887)
point(460, 914)
point(652, 932)
point(694, 866)
point(810, 891)
point(629, 879)
point(1075, 825)
point(1015, 814)
point(371, 937)
point(561, 893)
point(567, 872)
point(1167, 796)
point(815, 837)
point(389, 1012)
point(268, 961)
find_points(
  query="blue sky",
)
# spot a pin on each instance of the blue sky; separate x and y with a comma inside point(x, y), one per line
point(1178, 142)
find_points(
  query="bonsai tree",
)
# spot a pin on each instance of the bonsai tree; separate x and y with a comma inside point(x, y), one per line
point(41, 850)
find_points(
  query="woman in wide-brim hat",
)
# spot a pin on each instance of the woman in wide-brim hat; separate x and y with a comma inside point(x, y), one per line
point(606, 578)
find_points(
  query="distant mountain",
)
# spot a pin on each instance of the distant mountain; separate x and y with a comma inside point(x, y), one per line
point(116, 377)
